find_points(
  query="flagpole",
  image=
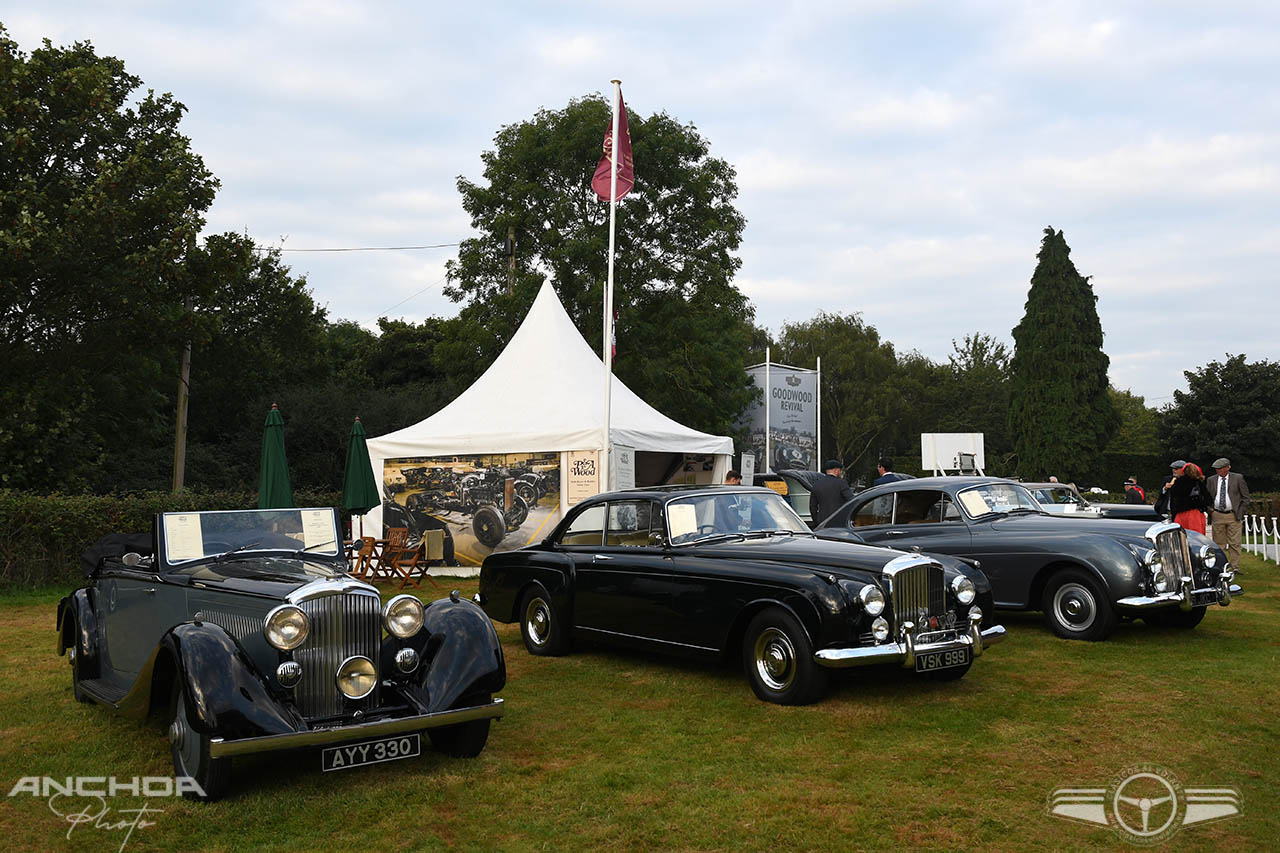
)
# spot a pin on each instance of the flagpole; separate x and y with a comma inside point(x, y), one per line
point(607, 344)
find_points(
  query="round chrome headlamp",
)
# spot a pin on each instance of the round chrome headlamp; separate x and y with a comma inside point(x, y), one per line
point(406, 660)
point(964, 590)
point(1207, 557)
point(289, 673)
point(1159, 582)
point(403, 616)
point(1151, 557)
point(286, 627)
point(872, 599)
point(880, 629)
point(357, 677)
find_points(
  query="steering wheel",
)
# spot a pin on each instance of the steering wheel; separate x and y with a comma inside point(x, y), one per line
point(707, 528)
point(215, 546)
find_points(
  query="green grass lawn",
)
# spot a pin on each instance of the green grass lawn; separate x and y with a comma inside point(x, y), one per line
point(621, 750)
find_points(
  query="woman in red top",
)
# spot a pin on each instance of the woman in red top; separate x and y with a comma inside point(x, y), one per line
point(1187, 500)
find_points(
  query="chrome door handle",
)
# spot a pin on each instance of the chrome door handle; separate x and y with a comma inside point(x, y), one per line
point(895, 533)
point(603, 557)
point(151, 590)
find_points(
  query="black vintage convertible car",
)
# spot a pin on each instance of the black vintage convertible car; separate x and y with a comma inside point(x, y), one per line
point(1085, 574)
point(244, 629)
point(727, 572)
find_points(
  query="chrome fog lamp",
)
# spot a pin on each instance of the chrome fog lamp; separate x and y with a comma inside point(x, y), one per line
point(1207, 557)
point(403, 616)
point(872, 600)
point(286, 627)
point(1159, 582)
point(289, 673)
point(1151, 558)
point(880, 629)
point(963, 589)
point(975, 614)
point(357, 677)
point(406, 660)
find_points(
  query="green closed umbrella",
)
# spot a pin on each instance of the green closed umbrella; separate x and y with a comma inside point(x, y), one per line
point(359, 486)
point(274, 491)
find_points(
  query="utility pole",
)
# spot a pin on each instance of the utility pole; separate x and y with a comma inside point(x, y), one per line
point(184, 388)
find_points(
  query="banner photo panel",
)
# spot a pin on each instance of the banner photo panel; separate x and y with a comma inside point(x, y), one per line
point(792, 400)
point(484, 503)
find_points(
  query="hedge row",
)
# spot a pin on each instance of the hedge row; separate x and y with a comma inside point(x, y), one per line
point(42, 536)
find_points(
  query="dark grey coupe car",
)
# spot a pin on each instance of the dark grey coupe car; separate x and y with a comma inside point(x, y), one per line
point(732, 573)
point(1084, 573)
point(245, 630)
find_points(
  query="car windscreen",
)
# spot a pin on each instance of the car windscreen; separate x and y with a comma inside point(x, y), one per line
point(712, 515)
point(996, 497)
point(188, 537)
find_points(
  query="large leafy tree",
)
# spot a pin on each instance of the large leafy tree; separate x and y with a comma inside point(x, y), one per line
point(1060, 411)
point(682, 325)
point(1230, 408)
point(101, 199)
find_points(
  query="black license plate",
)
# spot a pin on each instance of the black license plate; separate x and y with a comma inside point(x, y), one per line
point(1204, 597)
point(371, 751)
point(928, 661)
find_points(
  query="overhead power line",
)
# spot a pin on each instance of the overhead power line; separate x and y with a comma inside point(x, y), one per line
point(360, 248)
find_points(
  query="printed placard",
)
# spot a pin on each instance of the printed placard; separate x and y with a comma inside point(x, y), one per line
point(583, 467)
point(183, 539)
point(317, 528)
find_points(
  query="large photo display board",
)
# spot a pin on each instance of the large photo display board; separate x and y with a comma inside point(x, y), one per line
point(487, 502)
point(791, 395)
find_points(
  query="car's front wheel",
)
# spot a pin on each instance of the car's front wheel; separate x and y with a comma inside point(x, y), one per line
point(1075, 607)
point(542, 625)
point(191, 751)
point(75, 656)
point(488, 525)
point(464, 740)
point(1175, 617)
point(778, 658)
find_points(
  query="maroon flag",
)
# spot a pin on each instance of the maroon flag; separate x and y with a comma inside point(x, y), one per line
point(626, 167)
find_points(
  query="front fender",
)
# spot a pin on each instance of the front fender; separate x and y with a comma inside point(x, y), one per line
point(461, 655)
point(225, 693)
point(76, 622)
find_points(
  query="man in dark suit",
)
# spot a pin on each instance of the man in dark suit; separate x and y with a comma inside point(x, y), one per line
point(829, 492)
point(1228, 495)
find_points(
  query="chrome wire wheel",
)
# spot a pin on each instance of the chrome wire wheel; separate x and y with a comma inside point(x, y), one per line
point(1075, 607)
point(537, 621)
point(775, 659)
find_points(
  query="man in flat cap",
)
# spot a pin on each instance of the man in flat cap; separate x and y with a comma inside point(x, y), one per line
point(1133, 493)
point(1228, 498)
point(829, 492)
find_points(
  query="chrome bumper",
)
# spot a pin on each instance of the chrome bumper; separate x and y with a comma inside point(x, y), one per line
point(1186, 596)
point(905, 650)
point(219, 748)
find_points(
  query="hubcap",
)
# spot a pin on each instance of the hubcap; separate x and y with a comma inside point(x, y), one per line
point(1075, 607)
point(538, 621)
point(186, 744)
point(775, 659)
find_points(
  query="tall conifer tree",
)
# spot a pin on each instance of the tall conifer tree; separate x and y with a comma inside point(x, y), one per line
point(1060, 413)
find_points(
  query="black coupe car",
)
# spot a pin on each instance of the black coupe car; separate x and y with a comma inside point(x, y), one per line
point(1084, 573)
point(244, 628)
point(731, 572)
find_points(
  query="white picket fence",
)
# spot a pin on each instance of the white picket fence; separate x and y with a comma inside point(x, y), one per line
point(1261, 536)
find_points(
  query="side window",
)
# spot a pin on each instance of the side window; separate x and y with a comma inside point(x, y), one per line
point(919, 507)
point(629, 523)
point(877, 511)
point(586, 529)
point(950, 512)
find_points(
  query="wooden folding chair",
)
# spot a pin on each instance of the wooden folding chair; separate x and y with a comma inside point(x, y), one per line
point(398, 559)
point(430, 550)
point(362, 558)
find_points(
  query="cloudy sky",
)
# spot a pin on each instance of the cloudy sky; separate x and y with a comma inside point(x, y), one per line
point(896, 159)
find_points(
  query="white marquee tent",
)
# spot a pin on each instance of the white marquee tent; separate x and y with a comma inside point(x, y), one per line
point(545, 392)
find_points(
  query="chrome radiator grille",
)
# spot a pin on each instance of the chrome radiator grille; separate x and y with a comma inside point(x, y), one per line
point(1175, 556)
point(919, 591)
point(341, 625)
